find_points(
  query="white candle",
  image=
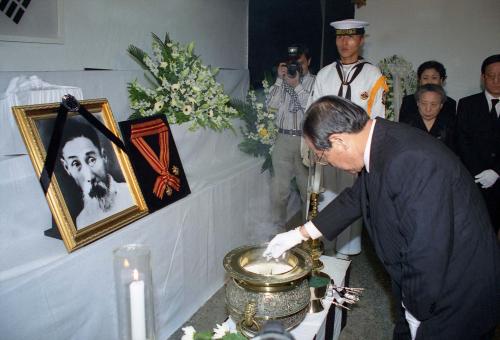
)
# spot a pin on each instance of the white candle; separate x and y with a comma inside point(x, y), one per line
point(317, 178)
point(137, 308)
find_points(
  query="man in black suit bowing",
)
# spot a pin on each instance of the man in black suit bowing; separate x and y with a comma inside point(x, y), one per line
point(423, 212)
point(478, 136)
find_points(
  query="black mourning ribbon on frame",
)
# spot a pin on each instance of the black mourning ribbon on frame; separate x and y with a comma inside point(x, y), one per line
point(69, 104)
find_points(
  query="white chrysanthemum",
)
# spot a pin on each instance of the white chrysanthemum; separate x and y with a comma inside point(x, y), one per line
point(158, 106)
point(195, 96)
point(220, 331)
point(188, 333)
point(187, 109)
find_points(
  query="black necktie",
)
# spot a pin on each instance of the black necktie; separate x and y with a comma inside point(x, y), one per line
point(493, 111)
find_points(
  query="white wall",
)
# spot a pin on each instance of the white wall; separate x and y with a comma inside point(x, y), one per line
point(98, 32)
point(458, 33)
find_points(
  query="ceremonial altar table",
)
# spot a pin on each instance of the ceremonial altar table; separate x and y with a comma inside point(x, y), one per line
point(324, 325)
point(46, 293)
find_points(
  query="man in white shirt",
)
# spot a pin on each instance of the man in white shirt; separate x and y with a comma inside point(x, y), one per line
point(355, 79)
point(288, 98)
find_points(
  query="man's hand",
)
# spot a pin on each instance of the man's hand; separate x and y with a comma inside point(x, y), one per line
point(486, 178)
point(282, 242)
point(282, 70)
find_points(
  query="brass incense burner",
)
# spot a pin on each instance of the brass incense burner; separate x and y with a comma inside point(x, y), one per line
point(260, 290)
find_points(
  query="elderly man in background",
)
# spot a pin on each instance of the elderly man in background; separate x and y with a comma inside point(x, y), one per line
point(478, 136)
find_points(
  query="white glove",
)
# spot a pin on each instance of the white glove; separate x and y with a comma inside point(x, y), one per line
point(282, 242)
point(486, 178)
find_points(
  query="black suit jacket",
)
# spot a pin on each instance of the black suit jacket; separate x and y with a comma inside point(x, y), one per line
point(409, 109)
point(430, 229)
point(478, 135)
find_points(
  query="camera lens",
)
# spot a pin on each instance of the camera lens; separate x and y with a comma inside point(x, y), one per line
point(292, 69)
point(273, 330)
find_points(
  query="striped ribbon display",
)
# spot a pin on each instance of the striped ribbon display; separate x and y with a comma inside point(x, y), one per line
point(165, 181)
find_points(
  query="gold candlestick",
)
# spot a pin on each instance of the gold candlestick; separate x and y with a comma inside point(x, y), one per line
point(314, 247)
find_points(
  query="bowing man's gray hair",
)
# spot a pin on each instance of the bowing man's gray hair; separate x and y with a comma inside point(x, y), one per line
point(329, 115)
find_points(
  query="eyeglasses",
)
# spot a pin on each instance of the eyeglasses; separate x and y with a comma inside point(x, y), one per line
point(319, 159)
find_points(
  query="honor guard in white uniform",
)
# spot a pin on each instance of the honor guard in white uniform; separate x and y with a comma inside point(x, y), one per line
point(353, 78)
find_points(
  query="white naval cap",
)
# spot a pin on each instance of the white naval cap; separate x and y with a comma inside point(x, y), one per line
point(349, 27)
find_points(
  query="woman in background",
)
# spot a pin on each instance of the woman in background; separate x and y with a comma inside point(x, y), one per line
point(430, 100)
point(429, 72)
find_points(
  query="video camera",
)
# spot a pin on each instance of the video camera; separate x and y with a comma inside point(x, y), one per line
point(292, 64)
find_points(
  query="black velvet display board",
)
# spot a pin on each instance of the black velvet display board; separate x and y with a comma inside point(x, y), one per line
point(146, 175)
point(275, 25)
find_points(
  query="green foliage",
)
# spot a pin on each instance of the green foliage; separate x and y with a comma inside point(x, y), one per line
point(182, 88)
point(234, 336)
point(260, 130)
point(203, 336)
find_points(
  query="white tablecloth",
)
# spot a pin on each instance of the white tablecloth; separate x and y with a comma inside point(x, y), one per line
point(46, 293)
point(25, 90)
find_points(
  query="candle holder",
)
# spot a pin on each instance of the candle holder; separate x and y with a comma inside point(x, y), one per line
point(134, 292)
point(314, 247)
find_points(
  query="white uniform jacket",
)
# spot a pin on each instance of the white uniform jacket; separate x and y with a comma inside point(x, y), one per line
point(367, 89)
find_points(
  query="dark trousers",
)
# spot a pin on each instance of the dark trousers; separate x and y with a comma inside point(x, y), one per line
point(492, 199)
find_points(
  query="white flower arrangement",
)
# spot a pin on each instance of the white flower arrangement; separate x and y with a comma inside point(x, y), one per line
point(407, 81)
point(260, 131)
point(219, 332)
point(184, 90)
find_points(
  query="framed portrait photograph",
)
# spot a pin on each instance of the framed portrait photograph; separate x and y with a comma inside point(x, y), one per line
point(93, 190)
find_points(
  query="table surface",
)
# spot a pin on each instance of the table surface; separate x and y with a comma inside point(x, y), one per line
point(313, 323)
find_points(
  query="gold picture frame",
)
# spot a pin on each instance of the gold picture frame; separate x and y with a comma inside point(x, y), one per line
point(86, 195)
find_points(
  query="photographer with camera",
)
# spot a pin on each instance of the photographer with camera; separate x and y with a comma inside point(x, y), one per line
point(288, 98)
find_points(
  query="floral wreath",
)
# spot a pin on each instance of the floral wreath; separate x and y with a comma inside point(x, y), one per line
point(407, 81)
point(260, 131)
point(184, 89)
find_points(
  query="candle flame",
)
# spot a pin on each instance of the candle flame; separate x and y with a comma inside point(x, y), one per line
point(135, 274)
point(126, 264)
